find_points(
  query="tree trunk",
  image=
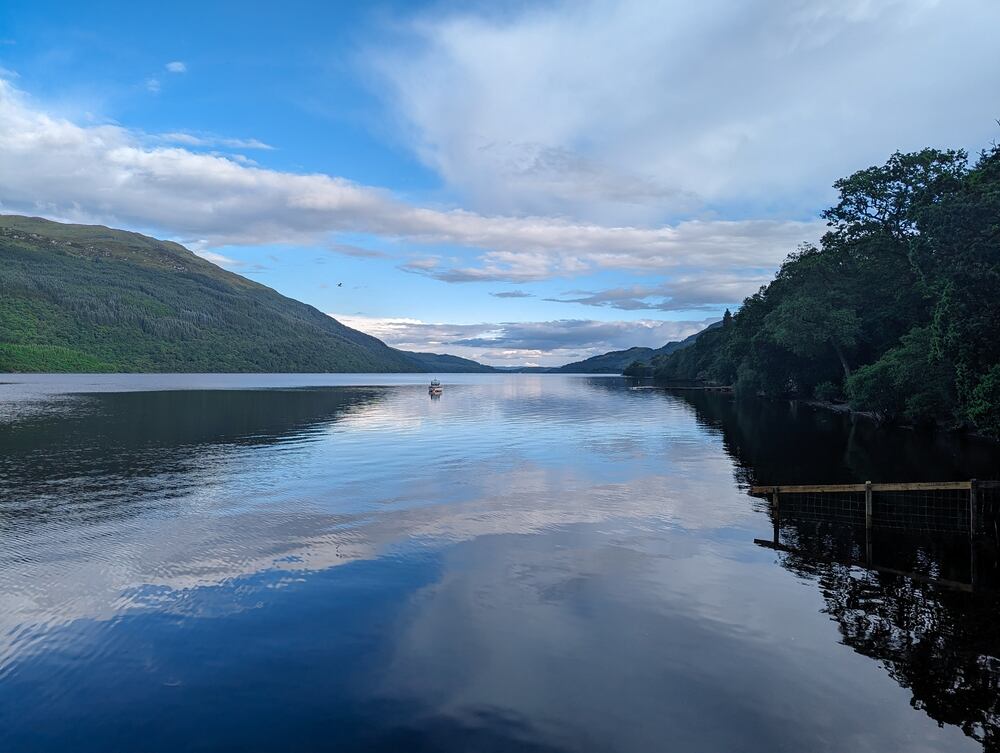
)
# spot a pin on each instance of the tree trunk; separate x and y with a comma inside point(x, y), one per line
point(843, 361)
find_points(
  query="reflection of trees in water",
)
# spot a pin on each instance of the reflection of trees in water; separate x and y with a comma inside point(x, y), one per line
point(107, 452)
point(941, 643)
point(784, 442)
point(932, 631)
point(932, 634)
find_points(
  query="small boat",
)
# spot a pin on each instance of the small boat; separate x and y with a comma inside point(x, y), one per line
point(435, 388)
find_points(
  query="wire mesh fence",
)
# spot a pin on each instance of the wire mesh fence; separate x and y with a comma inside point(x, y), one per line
point(945, 507)
point(835, 507)
point(932, 510)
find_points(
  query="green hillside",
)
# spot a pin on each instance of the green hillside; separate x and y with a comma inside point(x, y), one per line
point(89, 298)
point(617, 361)
point(448, 364)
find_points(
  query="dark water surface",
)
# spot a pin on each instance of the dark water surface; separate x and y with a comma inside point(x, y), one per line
point(531, 563)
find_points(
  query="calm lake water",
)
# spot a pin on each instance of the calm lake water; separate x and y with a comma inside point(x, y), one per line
point(530, 563)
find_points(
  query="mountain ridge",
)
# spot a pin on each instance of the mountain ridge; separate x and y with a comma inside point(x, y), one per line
point(92, 298)
point(616, 361)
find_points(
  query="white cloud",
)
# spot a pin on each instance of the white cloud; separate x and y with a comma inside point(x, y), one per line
point(176, 66)
point(706, 290)
point(54, 167)
point(219, 259)
point(551, 343)
point(349, 249)
point(639, 110)
point(153, 85)
point(544, 248)
point(211, 140)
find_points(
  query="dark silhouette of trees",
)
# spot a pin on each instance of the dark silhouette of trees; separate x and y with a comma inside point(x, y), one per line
point(897, 307)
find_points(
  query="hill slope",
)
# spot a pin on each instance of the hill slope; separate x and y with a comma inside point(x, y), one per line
point(617, 360)
point(89, 298)
point(448, 364)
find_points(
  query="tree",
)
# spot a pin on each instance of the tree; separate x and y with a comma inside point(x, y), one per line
point(806, 327)
point(959, 253)
point(815, 310)
point(637, 369)
point(898, 304)
point(909, 382)
point(889, 198)
point(984, 404)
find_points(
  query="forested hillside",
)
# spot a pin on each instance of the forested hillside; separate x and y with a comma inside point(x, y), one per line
point(630, 360)
point(896, 310)
point(87, 298)
point(448, 364)
point(608, 363)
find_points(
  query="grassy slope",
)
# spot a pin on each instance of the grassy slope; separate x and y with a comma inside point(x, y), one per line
point(88, 298)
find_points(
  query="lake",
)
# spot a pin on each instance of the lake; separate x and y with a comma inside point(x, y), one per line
point(530, 562)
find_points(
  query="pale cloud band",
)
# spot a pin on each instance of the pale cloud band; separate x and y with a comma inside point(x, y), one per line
point(55, 167)
point(704, 291)
point(184, 138)
point(550, 343)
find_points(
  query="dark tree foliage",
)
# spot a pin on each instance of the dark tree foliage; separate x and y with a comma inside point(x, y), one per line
point(897, 307)
point(638, 369)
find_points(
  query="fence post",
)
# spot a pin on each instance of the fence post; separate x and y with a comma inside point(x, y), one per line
point(972, 508)
point(775, 515)
point(868, 522)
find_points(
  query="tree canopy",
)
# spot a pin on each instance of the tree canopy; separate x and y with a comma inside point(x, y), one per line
point(896, 309)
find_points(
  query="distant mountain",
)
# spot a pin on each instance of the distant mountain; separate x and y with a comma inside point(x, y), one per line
point(608, 363)
point(524, 369)
point(617, 360)
point(447, 364)
point(89, 298)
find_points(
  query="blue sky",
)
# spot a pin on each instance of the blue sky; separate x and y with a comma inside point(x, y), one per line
point(513, 182)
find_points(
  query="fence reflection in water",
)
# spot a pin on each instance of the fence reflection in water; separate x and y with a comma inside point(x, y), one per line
point(944, 532)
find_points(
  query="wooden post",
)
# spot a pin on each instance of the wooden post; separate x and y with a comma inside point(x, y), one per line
point(972, 564)
point(972, 508)
point(972, 533)
point(868, 522)
point(775, 517)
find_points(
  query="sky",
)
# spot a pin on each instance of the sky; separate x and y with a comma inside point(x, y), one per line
point(522, 183)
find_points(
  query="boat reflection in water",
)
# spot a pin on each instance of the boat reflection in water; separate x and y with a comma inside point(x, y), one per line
point(435, 389)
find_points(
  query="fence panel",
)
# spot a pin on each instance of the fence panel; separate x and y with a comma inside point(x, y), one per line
point(935, 507)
